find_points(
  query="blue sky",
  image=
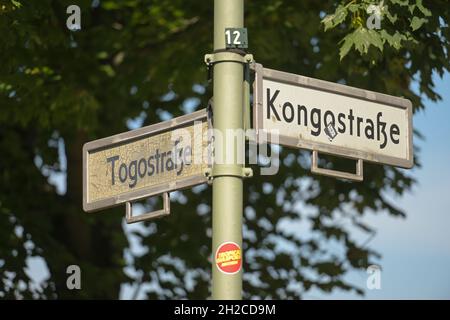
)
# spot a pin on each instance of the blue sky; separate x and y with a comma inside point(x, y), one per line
point(416, 251)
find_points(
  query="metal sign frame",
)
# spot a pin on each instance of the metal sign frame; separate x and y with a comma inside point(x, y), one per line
point(131, 136)
point(306, 82)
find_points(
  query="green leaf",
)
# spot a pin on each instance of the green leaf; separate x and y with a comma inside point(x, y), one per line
point(391, 18)
point(331, 21)
point(345, 48)
point(417, 22)
point(425, 11)
point(340, 15)
point(393, 40)
point(17, 4)
point(353, 7)
point(374, 39)
point(108, 70)
point(102, 55)
point(361, 40)
point(401, 3)
point(328, 21)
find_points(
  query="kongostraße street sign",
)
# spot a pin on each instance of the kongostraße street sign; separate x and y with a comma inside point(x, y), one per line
point(152, 160)
point(332, 118)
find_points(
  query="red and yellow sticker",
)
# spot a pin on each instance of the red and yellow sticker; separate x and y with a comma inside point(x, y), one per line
point(228, 258)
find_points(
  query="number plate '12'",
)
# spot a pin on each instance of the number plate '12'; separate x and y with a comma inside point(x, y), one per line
point(236, 38)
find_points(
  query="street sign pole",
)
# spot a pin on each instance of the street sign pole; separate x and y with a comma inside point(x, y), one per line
point(227, 181)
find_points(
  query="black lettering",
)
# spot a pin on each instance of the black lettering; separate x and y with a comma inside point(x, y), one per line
point(305, 115)
point(370, 129)
point(351, 118)
point(291, 107)
point(358, 126)
point(341, 128)
point(151, 166)
point(181, 168)
point(176, 153)
point(327, 114)
point(395, 130)
point(123, 169)
point(157, 156)
point(270, 104)
point(381, 128)
point(316, 124)
point(187, 158)
point(169, 162)
point(112, 160)
point(142, 172)
point(163, 155)
point(132, 173)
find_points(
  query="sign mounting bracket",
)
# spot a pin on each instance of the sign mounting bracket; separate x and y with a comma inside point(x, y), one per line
point(358, 176)
point(149, 215)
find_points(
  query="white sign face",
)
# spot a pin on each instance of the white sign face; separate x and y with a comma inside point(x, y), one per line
point(332, 118)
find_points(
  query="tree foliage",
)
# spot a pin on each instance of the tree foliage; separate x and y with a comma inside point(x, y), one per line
point(143, 60)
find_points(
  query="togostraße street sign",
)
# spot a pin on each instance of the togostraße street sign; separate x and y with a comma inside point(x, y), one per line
point(149, 161)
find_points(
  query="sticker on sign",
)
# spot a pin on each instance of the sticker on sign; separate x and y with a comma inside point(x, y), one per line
point(332, 118)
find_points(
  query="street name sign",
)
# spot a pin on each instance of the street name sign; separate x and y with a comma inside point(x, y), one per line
point(332, 118)
point(153, 160)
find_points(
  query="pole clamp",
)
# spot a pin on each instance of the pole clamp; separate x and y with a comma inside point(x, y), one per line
point(222, 170)
point(227, 56)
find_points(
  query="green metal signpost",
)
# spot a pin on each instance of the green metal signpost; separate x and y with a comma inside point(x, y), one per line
point(228, 114)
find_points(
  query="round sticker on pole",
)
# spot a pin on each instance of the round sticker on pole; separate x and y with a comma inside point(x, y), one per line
point(228, 258)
